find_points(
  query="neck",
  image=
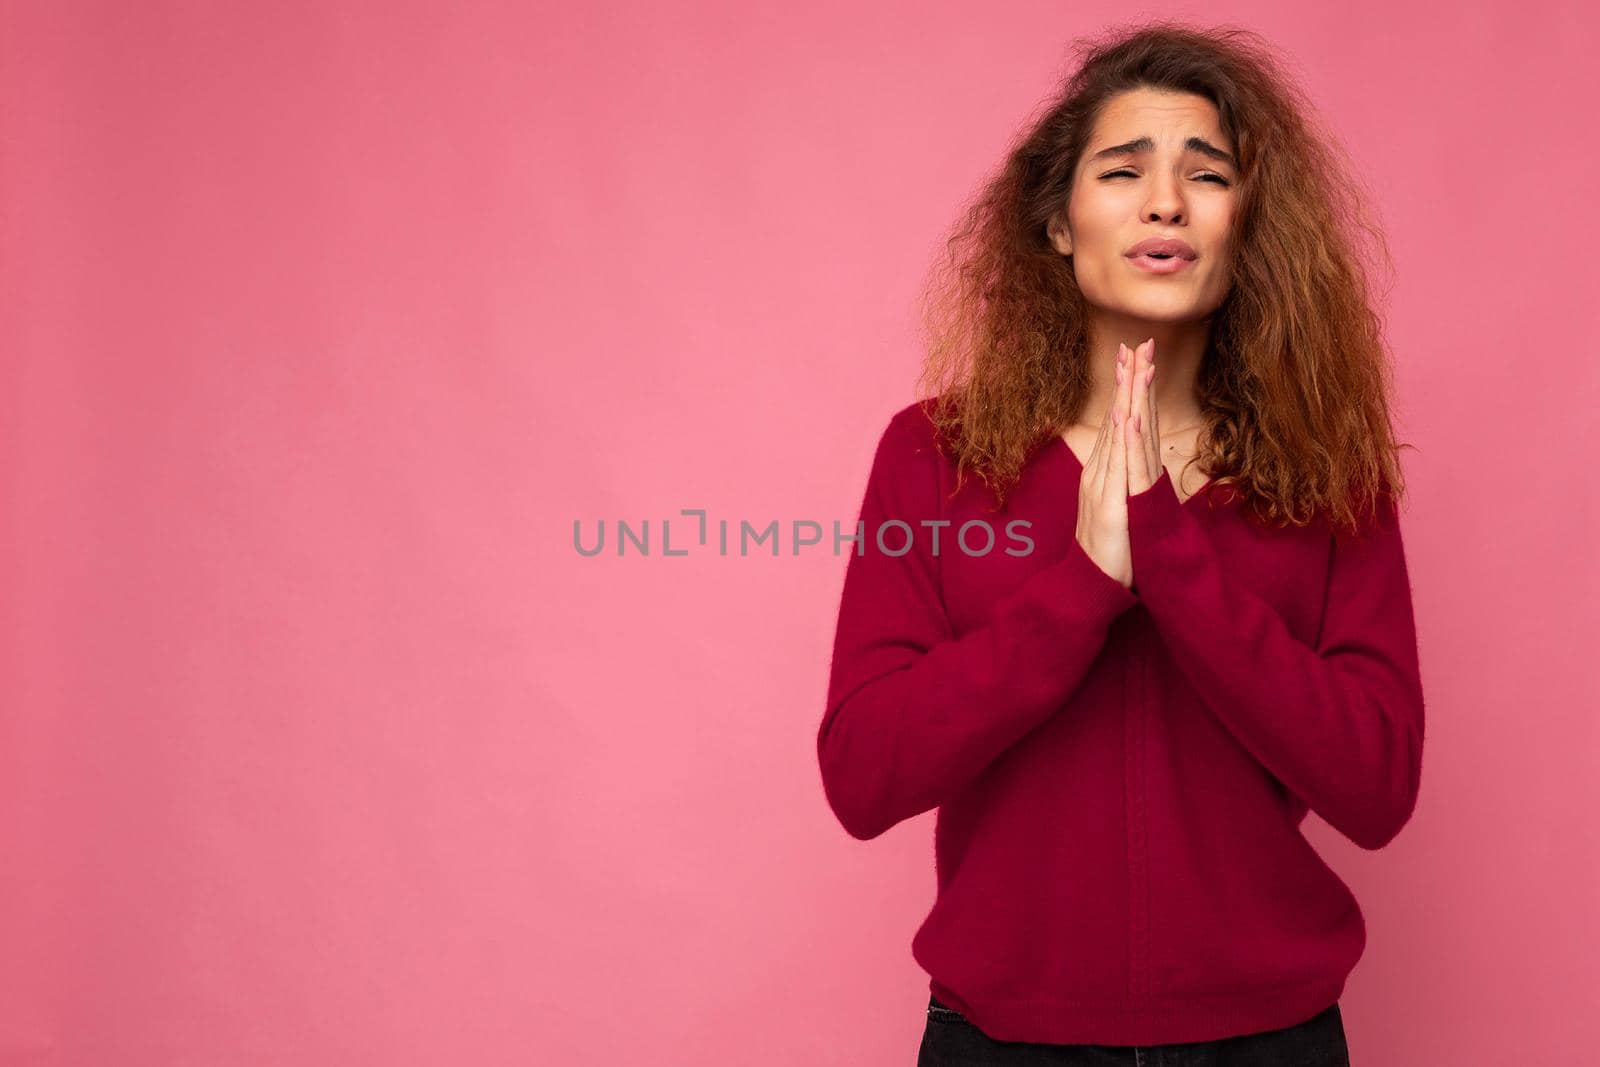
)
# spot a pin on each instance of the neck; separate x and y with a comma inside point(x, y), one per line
point(1179, 348)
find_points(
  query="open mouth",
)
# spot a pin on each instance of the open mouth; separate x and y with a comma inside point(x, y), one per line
point(1160, 262)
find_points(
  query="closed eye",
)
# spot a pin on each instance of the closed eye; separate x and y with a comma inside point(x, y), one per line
point(1219, 179)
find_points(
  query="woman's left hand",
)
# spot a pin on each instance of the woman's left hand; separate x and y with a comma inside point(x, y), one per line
point(1141, 431)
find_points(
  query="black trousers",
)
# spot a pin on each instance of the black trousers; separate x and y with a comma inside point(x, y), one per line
point(950, 1040)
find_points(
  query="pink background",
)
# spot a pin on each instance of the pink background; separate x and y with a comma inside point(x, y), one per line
point(322, 323)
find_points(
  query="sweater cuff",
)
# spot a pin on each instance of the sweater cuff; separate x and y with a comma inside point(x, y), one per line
point(1088, 592)
point(1153, 515)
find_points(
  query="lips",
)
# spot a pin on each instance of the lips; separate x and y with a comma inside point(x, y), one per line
point(1156, 265)
point(1160, 248)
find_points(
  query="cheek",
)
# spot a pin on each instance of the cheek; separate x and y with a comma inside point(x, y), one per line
point(1222, 268)
point(1093, 222)
point(1220, 226)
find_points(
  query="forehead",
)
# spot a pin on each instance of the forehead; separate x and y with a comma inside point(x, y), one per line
point(1166, 117)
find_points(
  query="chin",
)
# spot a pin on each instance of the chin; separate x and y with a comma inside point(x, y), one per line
point(1167, 311)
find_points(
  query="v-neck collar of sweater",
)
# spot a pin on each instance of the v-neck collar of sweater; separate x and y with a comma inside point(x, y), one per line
point(1078, 464)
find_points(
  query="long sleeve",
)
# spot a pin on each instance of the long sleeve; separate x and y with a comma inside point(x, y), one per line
point(914, 713)
point(1339, 724)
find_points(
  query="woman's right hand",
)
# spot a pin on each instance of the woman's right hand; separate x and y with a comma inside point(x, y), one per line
point(1103, 489)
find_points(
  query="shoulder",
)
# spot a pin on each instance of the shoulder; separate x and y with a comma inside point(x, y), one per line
point(908, 462)
point(912, 430)
point(1375, 516)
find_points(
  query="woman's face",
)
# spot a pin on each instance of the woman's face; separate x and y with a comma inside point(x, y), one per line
point(1156, 166)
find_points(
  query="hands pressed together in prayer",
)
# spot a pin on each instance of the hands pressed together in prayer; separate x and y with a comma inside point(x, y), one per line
point(1126, 459)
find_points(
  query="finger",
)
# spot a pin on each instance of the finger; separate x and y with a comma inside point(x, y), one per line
point(1139, 447)
point(1117, 472)
point(1098, 459)
point(1154, 437)
point(1126, 393)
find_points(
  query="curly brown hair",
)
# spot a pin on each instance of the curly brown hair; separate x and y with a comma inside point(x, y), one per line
point(1294, 385)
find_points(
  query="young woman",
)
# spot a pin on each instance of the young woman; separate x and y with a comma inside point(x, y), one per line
point(1171, 614)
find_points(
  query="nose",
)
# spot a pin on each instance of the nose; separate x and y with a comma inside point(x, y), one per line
point(1165, 204)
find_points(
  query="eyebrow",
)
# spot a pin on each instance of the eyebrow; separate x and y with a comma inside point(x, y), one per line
point(1145, 144)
